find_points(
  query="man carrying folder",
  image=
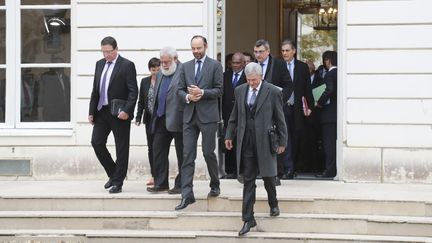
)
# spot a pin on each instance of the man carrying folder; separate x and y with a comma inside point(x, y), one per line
point(297, 107)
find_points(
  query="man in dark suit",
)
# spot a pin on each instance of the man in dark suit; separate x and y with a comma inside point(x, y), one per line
point(200, 87)
point(232, 79)
point(167, 122)
point(257, 109)
point(115, 78)
point(275, 72)
point(294, 108)
point(145, 109)
point(328, 106)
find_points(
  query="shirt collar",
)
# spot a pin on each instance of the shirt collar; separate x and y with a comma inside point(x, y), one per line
point(202, 59)
point(257, 88)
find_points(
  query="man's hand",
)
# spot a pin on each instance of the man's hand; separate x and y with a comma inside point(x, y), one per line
point(280, 149)
point(228, 144)
point(90, 119)
point(195, 93)
point(123, 116)
point(308, 113)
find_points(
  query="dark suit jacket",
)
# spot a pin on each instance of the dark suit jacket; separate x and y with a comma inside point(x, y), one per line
point(302, 87)
point(329, 111)
point(142, 112)
point(228, 97)
point(210, 80)
point(278, 74)
point(122, 85)
point(268, 113)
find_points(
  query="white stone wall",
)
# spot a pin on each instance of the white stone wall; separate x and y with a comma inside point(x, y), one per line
point(141, 28)
point(385, 84)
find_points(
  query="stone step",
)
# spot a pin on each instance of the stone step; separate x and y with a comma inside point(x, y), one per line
point(132, 236)
point(163, 202)
point(218, 221)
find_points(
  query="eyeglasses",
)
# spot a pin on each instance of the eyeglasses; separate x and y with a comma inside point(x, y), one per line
point(108, 52)
point(260, 52)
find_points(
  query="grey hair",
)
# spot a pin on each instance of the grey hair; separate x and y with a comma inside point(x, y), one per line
point(264, 43)
point(168, 51)
point(253, 68)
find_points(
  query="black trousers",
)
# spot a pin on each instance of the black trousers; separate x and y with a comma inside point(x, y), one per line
point(329, 133)
point(161, 147)
point(250, 172)
point(104, 123)
point(150, 136)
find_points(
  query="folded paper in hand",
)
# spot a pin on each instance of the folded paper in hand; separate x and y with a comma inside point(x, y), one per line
point(117, 105)
point(318, 91)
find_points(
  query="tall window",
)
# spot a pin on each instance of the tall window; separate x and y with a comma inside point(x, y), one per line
point(2, 61)
point(41, 70)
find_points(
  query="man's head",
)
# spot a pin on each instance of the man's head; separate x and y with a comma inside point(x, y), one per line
point(237, 62)
point(248, 57)
point(109, 48)
point(199, 46)
point(288, 50)
point(253, 73)
point(154, 65)
point(168, 57)
point(261, 50)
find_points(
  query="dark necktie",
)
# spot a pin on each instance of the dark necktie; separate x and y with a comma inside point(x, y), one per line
point(163, 92)
point(198, 71)
point(234, 82)
point(262, 68)
point(252, 99)
point(103, 92)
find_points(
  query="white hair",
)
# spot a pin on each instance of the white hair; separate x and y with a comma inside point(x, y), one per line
point(168, 51)
point(253, 68)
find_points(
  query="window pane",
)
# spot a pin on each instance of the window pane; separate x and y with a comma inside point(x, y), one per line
point(2, 2)
point(2, 95)
point(2, 36)
point(45, 94)
point(45, 35)
point(43, 2)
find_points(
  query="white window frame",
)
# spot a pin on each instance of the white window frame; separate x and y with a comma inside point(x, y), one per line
point(14, 67)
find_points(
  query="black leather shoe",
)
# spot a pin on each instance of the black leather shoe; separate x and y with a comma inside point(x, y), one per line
point(214, 192)
point(108, 184)
point(289, 175)
point(277, 181)
point(247, 226)
point(274, 211)
point(157, 189)
point(325, 174)
point(115, 189)
point(175, 190)
point(185, 202)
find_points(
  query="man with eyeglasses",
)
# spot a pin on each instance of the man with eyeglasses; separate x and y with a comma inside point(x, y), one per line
point(275, 72)
point(114, 84)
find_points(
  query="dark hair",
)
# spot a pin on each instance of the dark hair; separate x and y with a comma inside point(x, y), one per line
point(109, 41)
point(289, 42)
point(200, 36)
point(264, 43)
point(330, 55)
point(154, 62)
point(249, 55)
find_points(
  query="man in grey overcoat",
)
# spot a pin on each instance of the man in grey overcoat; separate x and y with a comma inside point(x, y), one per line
point(257, 112)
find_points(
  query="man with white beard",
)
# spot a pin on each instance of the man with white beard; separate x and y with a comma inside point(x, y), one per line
point(167, 122)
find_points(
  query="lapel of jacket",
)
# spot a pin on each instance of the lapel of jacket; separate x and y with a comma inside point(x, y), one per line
point(115, 70)
point(190, 67)
point(175, 76)
point(157, 84)
point(262, 95)
point(100, 67)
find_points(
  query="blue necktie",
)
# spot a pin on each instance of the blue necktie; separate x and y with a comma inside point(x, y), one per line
point(103, 92)
point(234, 82)
point(198, 71)
point(163, 92)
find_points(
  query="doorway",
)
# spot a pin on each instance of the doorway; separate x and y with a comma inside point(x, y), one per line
point(312, 24)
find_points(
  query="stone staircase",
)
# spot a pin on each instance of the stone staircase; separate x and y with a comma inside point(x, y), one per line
point(311, 211)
